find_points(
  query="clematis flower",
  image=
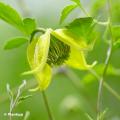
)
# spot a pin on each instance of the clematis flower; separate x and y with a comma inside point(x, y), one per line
point(55, 48)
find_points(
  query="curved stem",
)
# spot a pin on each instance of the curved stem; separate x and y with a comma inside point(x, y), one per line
point(103, 78)
point(84, 11)
point(107, 61)
point(47, 106)
point(42, 30)
point(107, 86)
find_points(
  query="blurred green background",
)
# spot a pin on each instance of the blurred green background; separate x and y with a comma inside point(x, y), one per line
point(67, 101)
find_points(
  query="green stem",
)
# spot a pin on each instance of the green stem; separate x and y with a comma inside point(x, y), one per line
point(106, 85)
point(94, 20)
point(103, 78)
point(47, 106)
point(38, 30)
point(107, 61)
point(112, 91)
point(84, 11)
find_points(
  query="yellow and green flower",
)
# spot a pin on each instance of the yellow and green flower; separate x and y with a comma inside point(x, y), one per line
point(55, 48)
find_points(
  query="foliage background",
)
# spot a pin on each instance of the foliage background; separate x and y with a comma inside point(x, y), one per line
point(14, 62)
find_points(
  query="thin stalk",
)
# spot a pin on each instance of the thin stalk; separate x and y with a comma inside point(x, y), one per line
point(38, 30)
point(94, 20)
point(107, 61)
point(103, 77)
point(47, 106)
point(106, 85)
point(84, 11)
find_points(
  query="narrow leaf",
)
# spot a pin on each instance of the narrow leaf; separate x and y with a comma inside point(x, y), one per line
point(66, 11)
point(24, 98)
point(10, 15)
point(29, 25)
point(15, 42)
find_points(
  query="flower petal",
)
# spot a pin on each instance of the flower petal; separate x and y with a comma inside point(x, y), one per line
point(37, 52)
point(77, 60)
point(67, 37)
point(44, 77)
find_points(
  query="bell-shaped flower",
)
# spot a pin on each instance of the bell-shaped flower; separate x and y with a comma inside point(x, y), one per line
point(55, 48)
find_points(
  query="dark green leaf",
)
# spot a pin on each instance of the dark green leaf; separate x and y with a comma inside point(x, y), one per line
point(66, 11)
point(81, 27)
point(77, 2)
point(29, 25)
point(15, 42)
point(10, 15)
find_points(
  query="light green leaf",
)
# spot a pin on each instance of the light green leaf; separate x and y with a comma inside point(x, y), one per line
point(66, 11)
point(10, 15)
point(29, 25)
point(15, 42)
point(77, 2)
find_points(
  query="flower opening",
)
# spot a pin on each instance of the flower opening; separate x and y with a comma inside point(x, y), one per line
point(58, 52)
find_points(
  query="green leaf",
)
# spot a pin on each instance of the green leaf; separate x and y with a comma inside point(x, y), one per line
point(66, 11)
point(29, 25)
point(15, 42)
point(83, 28)
point(77, 2)
point(10, 15)
point(80, 26)
point(24, 98)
